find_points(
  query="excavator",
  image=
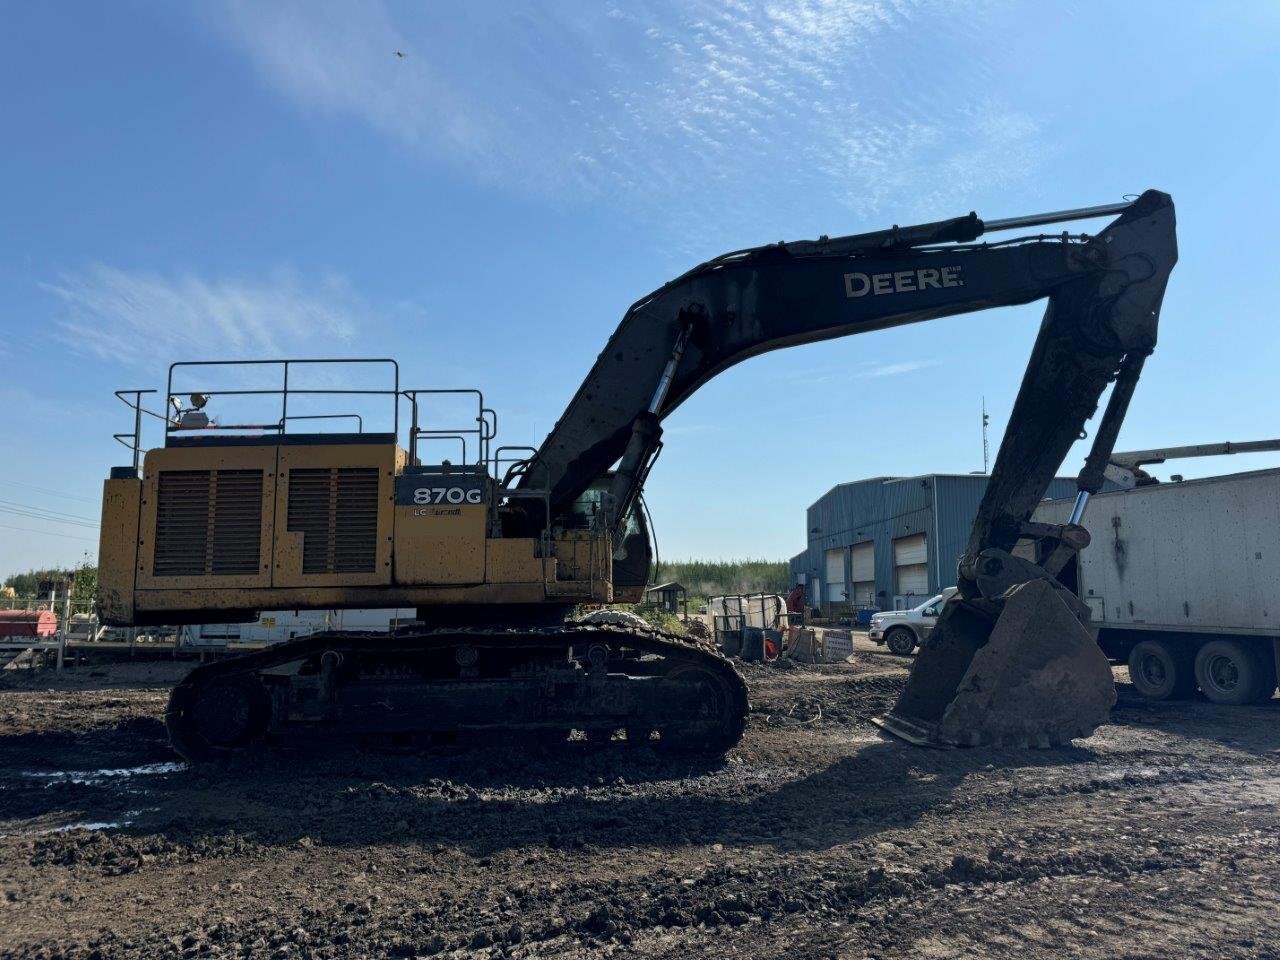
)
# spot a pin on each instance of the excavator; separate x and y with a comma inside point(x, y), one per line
point(497, 548)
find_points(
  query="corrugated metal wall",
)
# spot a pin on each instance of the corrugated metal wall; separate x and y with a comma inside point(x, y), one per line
point(958, 499)
point(884, 509)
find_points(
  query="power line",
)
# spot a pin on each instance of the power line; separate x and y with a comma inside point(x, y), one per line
point(56, 493)
point(27, 514)
point(31, 515)
point(32, 506)
point(40, 515)
point(48, 533)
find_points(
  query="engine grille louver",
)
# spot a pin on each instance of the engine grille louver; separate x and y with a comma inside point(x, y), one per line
point(336, 511)
point(208, 523)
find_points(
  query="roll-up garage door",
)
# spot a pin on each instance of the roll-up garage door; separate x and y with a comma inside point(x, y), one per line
point(835, 575)
point(863, 557)
point(911, 566)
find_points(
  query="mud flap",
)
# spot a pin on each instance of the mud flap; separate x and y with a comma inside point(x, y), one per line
point(1030, 676)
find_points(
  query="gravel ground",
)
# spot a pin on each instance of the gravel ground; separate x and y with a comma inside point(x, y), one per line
point(815, 838)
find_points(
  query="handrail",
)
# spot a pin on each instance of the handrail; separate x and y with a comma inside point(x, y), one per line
point(485, 420)
point(515, 461)
point(284, 391)
point(481, 431)
point(138, 411)
point(490, 431)
point(441, 435)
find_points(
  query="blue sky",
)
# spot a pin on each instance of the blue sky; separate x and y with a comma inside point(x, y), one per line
point(244, 179)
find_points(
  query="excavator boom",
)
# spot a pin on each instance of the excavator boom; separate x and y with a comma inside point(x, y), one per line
point(765, 298)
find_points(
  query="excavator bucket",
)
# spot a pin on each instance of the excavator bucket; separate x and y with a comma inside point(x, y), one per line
point(1018, 671)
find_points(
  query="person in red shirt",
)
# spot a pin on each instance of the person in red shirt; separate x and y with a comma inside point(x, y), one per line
point(795, 599)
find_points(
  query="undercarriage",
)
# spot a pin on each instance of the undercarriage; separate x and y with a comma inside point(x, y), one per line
point(606, 685)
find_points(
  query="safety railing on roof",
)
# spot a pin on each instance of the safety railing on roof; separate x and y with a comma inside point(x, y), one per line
point(482, 433)
point(133, 441)
point(180, 424)
point(475, 436)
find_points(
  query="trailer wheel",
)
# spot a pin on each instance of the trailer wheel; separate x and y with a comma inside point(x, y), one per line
point(1228, 672)
point(1160, 671)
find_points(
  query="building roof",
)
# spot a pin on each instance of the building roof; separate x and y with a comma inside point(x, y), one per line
point(854, 483)
point(918, 476)
point(670, 585)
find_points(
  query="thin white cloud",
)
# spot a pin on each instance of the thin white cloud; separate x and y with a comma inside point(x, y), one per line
point(866, 369)
point(666, 107)
point(927, 161)
point(132, 317)
point(808, 376)
point(875, 369)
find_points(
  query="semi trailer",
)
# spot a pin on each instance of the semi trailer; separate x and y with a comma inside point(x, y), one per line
point(1182, 581)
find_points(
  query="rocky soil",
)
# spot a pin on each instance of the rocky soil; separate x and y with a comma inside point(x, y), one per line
point(815, 838)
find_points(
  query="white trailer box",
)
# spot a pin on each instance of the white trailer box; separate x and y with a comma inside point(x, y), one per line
point(1183, 583)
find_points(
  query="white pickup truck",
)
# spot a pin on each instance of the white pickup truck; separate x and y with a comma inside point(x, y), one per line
point(904, 630)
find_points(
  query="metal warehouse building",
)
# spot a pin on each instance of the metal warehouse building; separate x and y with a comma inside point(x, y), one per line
point(891, 542)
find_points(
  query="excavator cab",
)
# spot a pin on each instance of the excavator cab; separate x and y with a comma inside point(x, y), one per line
point(633, 553)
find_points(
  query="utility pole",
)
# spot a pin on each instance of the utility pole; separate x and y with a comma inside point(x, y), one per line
point(66, 623)
point(986, 451)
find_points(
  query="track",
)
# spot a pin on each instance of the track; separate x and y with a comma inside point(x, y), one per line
point(604, 684)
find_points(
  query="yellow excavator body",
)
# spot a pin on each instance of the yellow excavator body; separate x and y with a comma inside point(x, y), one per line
point(221, 529)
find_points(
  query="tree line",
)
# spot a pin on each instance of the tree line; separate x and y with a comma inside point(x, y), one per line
point(709, 578)
point(84, 581)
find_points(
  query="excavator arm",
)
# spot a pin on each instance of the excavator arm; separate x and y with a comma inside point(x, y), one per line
point(1104, 294)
